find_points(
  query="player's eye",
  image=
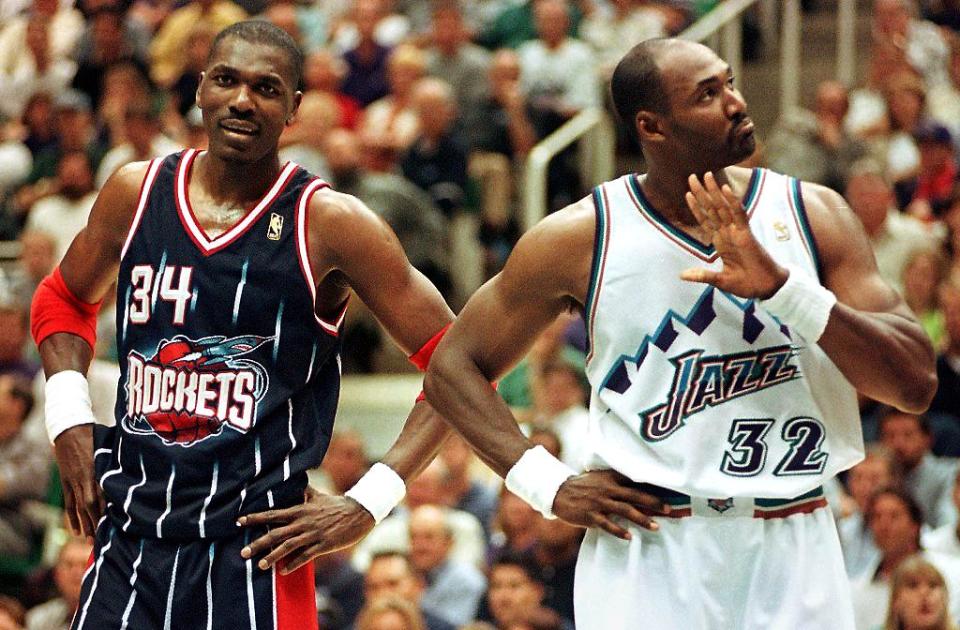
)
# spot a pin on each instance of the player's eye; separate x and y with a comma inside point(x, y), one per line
point(269, 90)
point(708, 94)
point(222, 79)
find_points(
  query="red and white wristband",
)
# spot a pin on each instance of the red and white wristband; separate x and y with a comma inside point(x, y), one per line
point(66, 403)
point(802, 303)
point(378, 491)
point(536, 477)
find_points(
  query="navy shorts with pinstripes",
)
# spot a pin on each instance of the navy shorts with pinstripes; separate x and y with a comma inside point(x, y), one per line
point(148, 583)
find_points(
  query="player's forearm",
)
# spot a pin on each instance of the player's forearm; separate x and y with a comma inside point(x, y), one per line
point(65, 351)
point(419, 441)
point(457, 388)
point(885, 356)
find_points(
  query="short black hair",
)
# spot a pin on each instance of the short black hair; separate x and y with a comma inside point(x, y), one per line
point(914, 511)
point(524, 561)
point(637, 84)
point(263, 32)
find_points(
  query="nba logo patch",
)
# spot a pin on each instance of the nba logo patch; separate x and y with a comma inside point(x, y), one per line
point(780, 229)
point(720, 505)
point(275, 227)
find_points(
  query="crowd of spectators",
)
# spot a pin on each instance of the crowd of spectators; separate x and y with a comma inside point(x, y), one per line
point(426, 111)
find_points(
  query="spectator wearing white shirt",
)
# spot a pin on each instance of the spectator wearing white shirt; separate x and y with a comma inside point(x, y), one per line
point(928, 479)
point(877, 470)
point(558, 72)
point(895, 520)
point(35, 69)
point(895, 22)
point(64, 26)
point(559, 78)
point(64, 214)
point(893, 235)
point(614, 29)
point(946, 538)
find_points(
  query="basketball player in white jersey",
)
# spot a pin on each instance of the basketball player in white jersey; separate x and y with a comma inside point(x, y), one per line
point(733, 314)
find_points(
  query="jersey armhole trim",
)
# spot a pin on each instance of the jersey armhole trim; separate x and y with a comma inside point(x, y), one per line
point(601, 239)
point(795, 195)
point(145, 187)
point(303, 255)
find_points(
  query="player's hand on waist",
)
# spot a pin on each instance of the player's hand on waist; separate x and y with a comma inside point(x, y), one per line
point(601, 497)
point(748, 269)
point(83, 501)
point(323, 523)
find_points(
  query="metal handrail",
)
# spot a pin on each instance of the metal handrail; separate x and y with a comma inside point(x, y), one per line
point(599, 159)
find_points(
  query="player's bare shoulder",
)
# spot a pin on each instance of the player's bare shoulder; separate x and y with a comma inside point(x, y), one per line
point(836, 228)
point(341, 228)
point(117, 202)
point(559, 248)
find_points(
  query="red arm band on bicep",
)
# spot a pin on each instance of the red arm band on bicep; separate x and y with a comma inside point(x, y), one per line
point(55, 309)
point(421, 358)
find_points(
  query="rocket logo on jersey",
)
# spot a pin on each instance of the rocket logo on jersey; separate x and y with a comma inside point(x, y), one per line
point(698, 380)
point(190, 389)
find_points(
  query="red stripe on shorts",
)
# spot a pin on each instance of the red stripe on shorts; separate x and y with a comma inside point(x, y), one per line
point(296, 599)
point(801, 508)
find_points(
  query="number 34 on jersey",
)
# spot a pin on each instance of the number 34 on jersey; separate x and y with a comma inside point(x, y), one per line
point(169, 284)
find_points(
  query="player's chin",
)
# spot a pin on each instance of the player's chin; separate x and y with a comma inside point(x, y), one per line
point(743, 148)
point(237, 151)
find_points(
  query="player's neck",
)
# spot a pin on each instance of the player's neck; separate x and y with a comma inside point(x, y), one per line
point(665, 187)
point(241, 182)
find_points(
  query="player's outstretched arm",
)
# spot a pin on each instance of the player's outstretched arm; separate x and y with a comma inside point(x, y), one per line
point(66, 301)
point(547, 273)
point(862, 324)
point(350, 243)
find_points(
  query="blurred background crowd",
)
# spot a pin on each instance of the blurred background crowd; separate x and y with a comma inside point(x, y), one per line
point(426, 110)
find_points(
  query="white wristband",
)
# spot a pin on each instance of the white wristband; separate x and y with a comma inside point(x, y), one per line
point(802, 303)
point(378, 491)
point(67, 403)
point(536, 477)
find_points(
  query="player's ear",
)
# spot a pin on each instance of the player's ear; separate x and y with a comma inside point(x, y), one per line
point(199, 83)
point(297, 98)
point(649, 126)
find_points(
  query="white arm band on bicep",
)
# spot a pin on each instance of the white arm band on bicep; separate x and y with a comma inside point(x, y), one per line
point(802, 303)
point(378, 491)
point(536, 477)
point(66, 403)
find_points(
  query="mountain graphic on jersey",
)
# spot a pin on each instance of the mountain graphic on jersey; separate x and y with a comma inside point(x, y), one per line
point(190, 389)
point(693, 378)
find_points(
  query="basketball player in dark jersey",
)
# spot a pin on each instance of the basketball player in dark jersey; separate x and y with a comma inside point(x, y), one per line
point(233, 276)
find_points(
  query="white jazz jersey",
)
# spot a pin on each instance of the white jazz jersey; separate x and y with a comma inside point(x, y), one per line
point(698, 390)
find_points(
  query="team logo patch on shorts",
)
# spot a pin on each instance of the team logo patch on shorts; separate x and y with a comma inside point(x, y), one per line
point(188, 390)
point(720, 505)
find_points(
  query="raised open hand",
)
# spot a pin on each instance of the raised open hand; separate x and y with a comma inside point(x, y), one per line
point(748, 270)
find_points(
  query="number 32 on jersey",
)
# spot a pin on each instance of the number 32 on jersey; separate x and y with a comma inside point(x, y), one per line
point(149, 285)
point(747, 454)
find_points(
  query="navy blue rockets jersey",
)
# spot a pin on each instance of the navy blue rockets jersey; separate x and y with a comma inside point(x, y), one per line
point(228, 380)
